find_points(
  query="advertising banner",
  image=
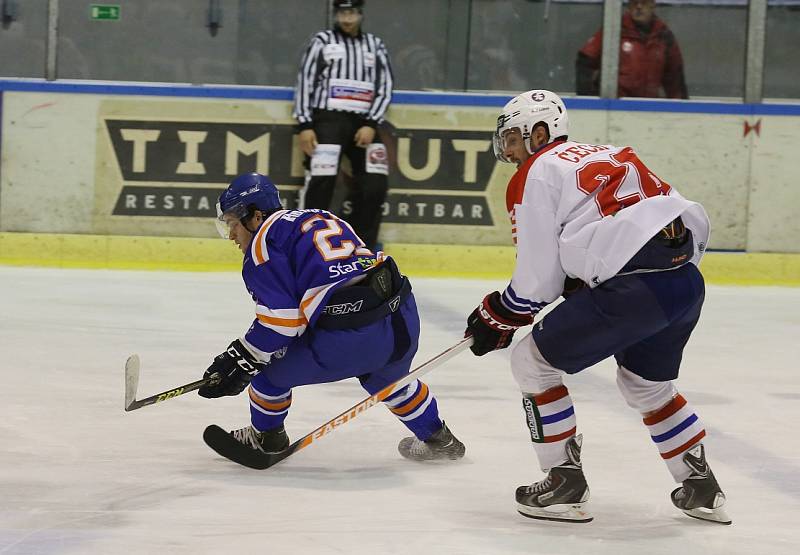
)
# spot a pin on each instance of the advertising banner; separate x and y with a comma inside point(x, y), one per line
point(161, 164)
point(128, 165)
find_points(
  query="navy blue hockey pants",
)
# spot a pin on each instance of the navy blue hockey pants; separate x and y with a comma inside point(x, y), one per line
point(644, 320)
point(378, 354)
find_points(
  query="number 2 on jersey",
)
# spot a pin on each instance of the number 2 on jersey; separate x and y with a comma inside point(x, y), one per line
point(623, 180)
point(332, 229)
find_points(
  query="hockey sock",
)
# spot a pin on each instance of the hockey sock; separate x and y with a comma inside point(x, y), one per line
point(416, 407)
point(551, 421)
point(268, 409)
point(675, 429)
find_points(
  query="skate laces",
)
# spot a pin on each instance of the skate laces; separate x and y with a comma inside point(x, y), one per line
point(540, 486)
point(249, 436)
point(437, 442)
point(419, 447)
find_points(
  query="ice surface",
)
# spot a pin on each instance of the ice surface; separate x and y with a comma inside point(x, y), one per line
point(79, 475)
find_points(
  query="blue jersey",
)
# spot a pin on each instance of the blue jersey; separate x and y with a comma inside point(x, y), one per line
point(295, 260)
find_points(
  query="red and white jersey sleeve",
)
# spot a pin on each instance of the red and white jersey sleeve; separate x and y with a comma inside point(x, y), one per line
point(583, 211)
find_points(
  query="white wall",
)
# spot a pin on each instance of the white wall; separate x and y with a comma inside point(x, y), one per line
point(59, 172)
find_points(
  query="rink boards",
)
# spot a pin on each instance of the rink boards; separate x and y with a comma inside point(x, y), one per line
point(429, 260)
point(129, 174)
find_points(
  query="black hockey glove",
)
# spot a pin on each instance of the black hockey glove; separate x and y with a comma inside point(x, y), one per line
point(236, 367)
point(492, 325)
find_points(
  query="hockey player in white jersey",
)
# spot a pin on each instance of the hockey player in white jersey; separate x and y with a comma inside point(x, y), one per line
point(593, 223)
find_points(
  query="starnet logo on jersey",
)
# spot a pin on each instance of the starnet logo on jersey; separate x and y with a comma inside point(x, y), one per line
point(357, 265)
point(178, 168)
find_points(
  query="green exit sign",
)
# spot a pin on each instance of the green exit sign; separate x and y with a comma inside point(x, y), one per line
point(104, 12)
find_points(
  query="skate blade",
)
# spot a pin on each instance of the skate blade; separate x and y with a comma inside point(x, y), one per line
point(574, 512)
point(718, 515)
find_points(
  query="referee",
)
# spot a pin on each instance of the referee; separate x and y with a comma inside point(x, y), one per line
point(344, 87)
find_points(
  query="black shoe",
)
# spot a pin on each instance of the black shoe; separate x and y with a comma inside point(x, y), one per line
point(441, 445)
point(700, 496)
point(270, 441)
point(562, 495)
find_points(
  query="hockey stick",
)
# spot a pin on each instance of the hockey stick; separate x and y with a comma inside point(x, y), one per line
point(132, 383)
point(226, 445)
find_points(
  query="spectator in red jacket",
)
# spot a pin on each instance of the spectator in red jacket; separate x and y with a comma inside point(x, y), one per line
point(650, 61)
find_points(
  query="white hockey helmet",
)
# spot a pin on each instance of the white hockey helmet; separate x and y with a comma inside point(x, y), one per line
point(524, 112)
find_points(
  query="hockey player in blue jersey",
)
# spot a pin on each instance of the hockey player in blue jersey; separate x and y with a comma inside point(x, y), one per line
point(326, 309)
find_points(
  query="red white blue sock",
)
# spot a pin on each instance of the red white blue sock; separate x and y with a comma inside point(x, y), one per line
point(551, 422)
point(675, 428)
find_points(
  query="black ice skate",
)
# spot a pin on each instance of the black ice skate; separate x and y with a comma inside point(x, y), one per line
point(271, 441)
point(248, 446)
point(562, 495)
point(441, 445)
point(700, 496)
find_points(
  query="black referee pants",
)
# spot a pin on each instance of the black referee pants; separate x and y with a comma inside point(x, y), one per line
point(369, 189)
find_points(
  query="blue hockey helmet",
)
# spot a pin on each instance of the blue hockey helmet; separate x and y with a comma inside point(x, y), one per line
point(246, 194)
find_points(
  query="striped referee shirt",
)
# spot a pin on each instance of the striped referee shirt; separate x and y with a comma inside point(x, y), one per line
point(340, 72)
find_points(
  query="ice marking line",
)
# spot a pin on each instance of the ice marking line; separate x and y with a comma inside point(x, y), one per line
point(56, 525)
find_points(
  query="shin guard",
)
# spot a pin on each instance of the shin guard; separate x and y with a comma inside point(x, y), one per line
point(551, 421)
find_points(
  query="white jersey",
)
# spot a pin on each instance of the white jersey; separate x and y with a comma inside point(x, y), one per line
point(583, 211)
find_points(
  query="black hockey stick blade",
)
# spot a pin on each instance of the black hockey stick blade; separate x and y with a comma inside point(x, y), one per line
point(226, 445)
point(132, 384)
